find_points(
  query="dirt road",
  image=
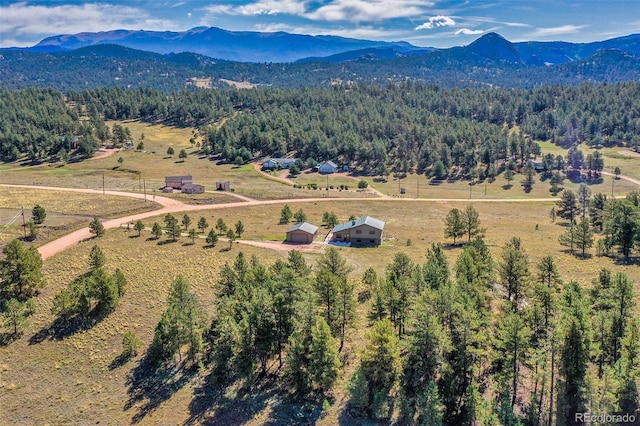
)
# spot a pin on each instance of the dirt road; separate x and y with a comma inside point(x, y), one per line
point(170, 205)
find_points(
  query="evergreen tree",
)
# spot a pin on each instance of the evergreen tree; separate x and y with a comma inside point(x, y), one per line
point(514, 271)
point(186, 222)
point(471, 219)
point(221, 226)
point(139, 226)
point(624, 226)
point(436, 270)
point(172, 227)
point(454, 225)
point(193, 234)
point(231, 236)
point(239, 229)
point(38, 214)
point(286, 214)
point(567, 205)
point(583, 236)
point(156, 230)
point(212, 238)
point(324, 364)
point(512, 350)
point(202, 224)
point(300, 216)
point(16, 315)
point(372, 384)
point(97, 258)
point(96, 227)
point(20, 272)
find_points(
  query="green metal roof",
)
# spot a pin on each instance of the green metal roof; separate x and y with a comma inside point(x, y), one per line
point(367, 220)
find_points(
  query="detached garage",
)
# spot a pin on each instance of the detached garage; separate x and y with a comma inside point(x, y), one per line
point(302, 233)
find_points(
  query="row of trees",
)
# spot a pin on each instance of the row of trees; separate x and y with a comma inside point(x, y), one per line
point(617, 221)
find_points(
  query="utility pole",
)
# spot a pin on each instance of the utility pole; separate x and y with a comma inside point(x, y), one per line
point(144, 182)
point(103, 183)
point(24, 225)
point(613, 180)
point(418, 189)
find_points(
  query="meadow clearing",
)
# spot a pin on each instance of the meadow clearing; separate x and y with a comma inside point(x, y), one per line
point(50, 377)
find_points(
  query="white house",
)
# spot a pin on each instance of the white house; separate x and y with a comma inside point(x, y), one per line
point(328, 167)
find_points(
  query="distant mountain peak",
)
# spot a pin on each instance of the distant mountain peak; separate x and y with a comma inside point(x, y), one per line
point(494, 46)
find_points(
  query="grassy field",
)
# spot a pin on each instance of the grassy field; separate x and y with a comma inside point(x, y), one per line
point(50, 378)
point(72, 379)
point(66, 211)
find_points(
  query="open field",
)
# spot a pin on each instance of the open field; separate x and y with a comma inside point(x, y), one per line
point(75, 376)
point(65, 211)
point(53, 377)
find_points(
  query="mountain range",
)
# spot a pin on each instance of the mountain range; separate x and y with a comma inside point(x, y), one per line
point(278, 47)
point(170, 61)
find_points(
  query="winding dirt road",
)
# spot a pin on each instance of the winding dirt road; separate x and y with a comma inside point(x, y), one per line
point(170, 205)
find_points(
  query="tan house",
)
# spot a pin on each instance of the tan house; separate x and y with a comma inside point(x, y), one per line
point(192, 188)
point(364, 231)
point(176, 182)
point(302, 233)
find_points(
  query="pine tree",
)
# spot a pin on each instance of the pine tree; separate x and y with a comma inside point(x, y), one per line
point(139, 226)
point(96, 227)
point(512, 350)
point(514, 271)
point(212, 238)
point(286, 214)
point(454, 225)
point(203, 224)
point(186, 221)
point(324, 364)
point(156, 230)
point(20, 272)
point(583, 236)
point(38, 214)
point(97, 258)
point(567, 205)
point(471, 219)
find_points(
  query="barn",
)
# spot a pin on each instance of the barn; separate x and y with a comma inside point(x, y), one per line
point(302, 233)
point(176, 182)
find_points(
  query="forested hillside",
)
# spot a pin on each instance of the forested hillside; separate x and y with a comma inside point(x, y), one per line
point(399, 128)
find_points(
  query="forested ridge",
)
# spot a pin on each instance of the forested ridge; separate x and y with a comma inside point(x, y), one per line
point(406, 127)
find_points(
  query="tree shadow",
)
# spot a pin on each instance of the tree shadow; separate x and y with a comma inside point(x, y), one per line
point(7, 338)
point(65, 327)
point(164, 242)
point(212, 406)
point(149, 386)
point(119, 361)
point(134, 236)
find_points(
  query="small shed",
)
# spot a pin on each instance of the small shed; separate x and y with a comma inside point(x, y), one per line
point(223, 185)
point(302, 233)
point(192, 188)
point(167, 190)
point(328, 167)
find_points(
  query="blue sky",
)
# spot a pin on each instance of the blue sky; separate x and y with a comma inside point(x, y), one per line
point(437, 23)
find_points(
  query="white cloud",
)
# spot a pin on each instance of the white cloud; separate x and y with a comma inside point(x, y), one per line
point(28, 24)
point(260, 7)
point(554, 31)
point(437, 21)
point(369, 10)
point(466, 31)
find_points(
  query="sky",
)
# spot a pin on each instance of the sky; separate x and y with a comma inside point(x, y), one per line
point(427, 23)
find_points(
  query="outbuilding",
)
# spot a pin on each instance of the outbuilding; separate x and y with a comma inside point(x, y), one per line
point(302, 233)
point(223, 185)
point(192, 188)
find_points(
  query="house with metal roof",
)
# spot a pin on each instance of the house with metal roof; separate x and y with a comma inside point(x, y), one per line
point(278, 163)
point(327, 167)
point(302, 233)
point(176, 182)
point(364, 231)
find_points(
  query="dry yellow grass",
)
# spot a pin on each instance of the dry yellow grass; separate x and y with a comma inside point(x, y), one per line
point(69, 380)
